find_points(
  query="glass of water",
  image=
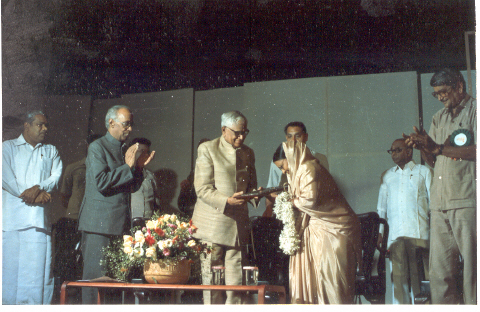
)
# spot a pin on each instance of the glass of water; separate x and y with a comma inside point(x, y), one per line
point(218, 275)
point(251, 275)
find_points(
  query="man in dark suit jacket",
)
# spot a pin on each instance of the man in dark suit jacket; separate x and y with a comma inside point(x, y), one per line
point(105, 210)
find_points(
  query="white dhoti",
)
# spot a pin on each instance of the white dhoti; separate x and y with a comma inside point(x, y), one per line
point(27, 276)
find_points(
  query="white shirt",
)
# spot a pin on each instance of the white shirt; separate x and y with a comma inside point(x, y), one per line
point(24, 166)
point(403, 201)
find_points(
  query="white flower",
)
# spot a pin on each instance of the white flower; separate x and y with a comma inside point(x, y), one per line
point(151, 224)
point(166, 217)
point(162, 244)
point(173, 218)
point(139, 237)
point(191, 243)
point(127, 239)
point(283, 209)
point(151, 252)
point(128, 250)
point(138, 250)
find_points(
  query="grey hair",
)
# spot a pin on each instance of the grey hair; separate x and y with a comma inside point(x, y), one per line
point(113, 112)
point(233, 117)
point(30, 115)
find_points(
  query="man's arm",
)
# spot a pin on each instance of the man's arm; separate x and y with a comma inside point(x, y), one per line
point(53, 180)
point(461, 152)
point(204, 183)
point(382, 206)
point(107, 179)
point(9, 180)
point(428, 182)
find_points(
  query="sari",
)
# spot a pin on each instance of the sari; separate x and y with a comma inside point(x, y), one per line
point(323, 270)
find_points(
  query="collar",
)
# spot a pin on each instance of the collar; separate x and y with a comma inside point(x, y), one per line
point(112, 140)
point(21, 140)
point(410, 165)
point(227, 145)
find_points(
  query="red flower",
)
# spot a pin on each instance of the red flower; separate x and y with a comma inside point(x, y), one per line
point(149, 240)
point(159, 232)
point(166, 252)
point(174, 239)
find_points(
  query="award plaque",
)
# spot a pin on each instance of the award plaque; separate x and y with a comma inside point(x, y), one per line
point(263, 192)
point(461, 137)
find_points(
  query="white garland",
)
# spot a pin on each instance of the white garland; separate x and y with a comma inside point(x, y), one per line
point(283, 208)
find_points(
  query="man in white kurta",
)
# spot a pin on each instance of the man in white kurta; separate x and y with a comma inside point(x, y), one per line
point(31, 170)
point(403, 200)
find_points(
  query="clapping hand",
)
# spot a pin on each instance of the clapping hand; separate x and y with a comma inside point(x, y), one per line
point(130, 155)
point(421, 141)
point(145, 158)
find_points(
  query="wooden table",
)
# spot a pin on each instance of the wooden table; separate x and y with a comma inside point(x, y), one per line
point(102, 286)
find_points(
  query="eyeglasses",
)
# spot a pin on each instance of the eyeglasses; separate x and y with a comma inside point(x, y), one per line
point(126, 124)
point(396, 150)
point(239, 133)
point(443, 93)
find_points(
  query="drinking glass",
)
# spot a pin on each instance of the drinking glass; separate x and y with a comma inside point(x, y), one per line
point(251, 275)
point(218, 275)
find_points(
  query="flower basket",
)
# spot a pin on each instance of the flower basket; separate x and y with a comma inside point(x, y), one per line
point(162, 272)
point(163, 250)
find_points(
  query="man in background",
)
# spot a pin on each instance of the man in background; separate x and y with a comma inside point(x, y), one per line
point(403, 201)
point(31, 170)
point(187, 197)
point(450, 148)
point(73, 184)
point(143, 201)
point(68, 265)
point(294, 131)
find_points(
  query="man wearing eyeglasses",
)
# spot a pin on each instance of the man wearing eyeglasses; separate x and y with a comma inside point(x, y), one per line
point(450, 148)
point(403, 201)
point(110, 178)
point(225, 168)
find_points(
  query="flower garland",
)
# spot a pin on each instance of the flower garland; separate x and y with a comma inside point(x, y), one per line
point(283, 209)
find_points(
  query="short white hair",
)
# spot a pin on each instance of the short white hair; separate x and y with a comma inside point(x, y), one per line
point(231, 118)
point(112, 113)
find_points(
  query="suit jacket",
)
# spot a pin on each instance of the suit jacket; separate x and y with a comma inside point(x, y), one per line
point(108, 183)
point(220, 171)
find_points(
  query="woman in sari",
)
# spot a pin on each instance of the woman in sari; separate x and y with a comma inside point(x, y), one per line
point(323, 270)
